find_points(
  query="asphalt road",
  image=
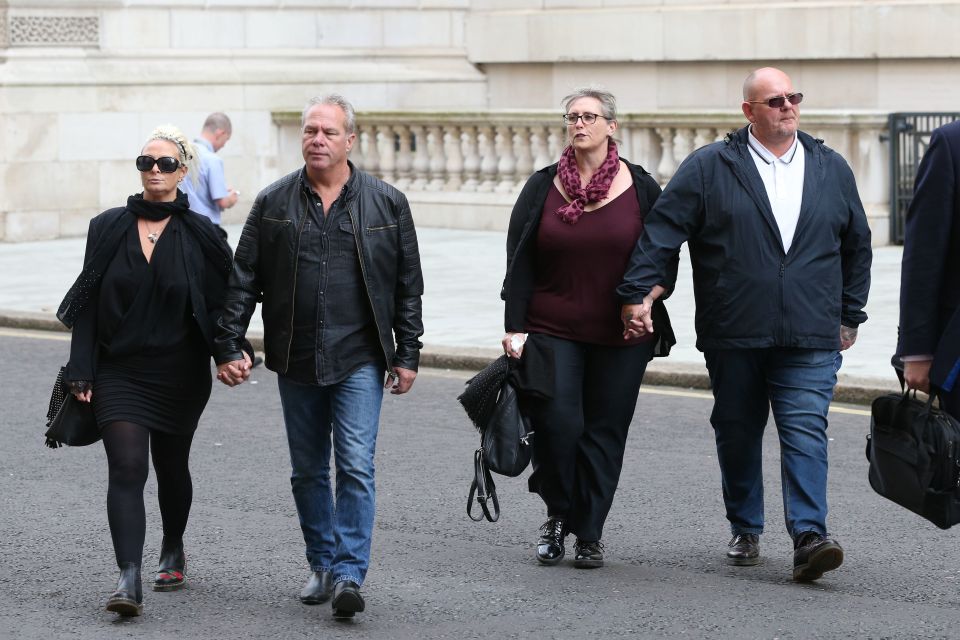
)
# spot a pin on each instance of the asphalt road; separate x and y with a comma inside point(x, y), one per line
point(436, 574)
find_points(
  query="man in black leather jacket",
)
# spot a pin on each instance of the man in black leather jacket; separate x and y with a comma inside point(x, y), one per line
point(331, 252)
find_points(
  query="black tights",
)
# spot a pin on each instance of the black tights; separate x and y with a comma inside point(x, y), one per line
point(127, 446)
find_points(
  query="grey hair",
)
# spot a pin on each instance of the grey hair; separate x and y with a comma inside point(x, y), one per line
point(608, 104)
point(188, 155)
point(336, 100)
point(217, 121)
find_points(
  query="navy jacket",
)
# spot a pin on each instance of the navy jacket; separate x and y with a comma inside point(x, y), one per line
point(749, 292)
point(930, 280)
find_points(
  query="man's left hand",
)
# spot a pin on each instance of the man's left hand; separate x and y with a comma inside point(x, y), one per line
point(847, 337)
point(399, 380)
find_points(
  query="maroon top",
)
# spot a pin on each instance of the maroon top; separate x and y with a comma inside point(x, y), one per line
point(578, 269)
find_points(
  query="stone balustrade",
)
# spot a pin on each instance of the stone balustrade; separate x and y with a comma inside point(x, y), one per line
point(464, 169)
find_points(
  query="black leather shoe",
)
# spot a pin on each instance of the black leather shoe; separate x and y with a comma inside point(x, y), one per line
point(744, 550)
point(318, 589)
point(814, 555)
point(550, 545)
point(170, 576)
point(347, 599)
point(587, 555)
point(127, 600)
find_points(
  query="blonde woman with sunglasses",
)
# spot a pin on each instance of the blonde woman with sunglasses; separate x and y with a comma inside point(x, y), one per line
point(143, 312)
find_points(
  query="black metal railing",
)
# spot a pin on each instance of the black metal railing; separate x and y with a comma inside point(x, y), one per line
point(909, 138)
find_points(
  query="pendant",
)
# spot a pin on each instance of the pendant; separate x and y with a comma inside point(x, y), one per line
point(152, 237)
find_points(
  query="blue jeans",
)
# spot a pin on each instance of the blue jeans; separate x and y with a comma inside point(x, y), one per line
point(337, 535)
point(798, 384)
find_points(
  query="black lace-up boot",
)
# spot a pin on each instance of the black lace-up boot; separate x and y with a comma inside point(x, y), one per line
point(550, 545)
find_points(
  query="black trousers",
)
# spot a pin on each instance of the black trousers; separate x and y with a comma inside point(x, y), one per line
point(581, 433)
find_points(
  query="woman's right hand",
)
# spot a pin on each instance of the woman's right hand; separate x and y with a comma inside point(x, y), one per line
point(513, 344)
point(82, 390)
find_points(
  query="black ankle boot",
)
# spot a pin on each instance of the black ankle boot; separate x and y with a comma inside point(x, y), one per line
point(127, 600)
point(550, 548)
point(173, 563)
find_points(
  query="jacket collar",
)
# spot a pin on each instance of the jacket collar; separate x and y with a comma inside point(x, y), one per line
point(737, 154)
point(350, 189)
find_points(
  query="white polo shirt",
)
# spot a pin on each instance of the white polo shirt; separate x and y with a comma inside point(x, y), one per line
point(783, 179)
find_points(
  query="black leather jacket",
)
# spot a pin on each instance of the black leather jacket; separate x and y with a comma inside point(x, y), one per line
point(265, 266)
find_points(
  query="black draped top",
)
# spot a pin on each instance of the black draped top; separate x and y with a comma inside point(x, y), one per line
point(147, 306)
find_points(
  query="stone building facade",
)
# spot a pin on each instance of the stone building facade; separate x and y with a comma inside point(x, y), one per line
point(459, 99)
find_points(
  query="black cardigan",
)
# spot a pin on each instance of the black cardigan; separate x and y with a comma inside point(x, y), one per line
point(207, 283)
point(521, 251)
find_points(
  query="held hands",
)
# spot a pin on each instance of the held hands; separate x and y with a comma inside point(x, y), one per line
point(234, 372)
point(637, 319)
point(399, 380)
point(847, 337)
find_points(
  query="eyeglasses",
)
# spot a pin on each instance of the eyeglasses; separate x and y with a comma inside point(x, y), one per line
point(588, 118)
point(779, 101)
point(166, 164)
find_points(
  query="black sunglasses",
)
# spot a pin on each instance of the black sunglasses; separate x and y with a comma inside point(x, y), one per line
point(779, 101)
point(166, 164)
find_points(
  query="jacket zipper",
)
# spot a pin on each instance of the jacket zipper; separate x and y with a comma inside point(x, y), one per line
point(366, 285)
point(783, 307)
point(293, 301)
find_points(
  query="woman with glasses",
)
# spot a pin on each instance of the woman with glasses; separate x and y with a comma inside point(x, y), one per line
point(143, 313)
point(571, 234)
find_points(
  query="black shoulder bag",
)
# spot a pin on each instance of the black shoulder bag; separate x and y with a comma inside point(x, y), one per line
point(505, 448)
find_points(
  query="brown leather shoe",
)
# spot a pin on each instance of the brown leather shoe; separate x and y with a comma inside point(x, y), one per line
point(814, 555)
point(744, 550)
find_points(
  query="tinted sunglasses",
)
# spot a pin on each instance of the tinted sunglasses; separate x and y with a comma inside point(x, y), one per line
point(779, 101)
point(166, 164)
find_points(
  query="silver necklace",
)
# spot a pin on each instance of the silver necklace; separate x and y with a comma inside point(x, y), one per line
point(152, 236)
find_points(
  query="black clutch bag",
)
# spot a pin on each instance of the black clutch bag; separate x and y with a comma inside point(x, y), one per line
point(69, 421)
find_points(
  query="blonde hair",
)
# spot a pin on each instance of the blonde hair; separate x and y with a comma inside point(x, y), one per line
point(188, 155)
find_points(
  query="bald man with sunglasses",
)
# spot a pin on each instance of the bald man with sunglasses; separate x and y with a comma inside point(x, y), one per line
point(780, 250)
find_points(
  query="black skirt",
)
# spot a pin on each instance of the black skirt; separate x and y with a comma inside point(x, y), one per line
point(163, 392)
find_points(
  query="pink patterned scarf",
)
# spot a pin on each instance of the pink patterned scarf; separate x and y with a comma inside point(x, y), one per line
point(595, 191)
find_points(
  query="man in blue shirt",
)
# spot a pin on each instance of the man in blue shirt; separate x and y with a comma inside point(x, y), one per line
point(208, 192)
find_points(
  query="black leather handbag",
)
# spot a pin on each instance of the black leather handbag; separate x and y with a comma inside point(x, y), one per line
point(69, 421)
point(914, 453)
point(505, 435)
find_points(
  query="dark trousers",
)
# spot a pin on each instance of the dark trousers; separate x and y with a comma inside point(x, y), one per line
point(581, 433)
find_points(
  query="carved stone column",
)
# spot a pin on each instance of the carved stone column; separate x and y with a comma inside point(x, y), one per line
point(386, 142)
point(471, 160)
point(452, 144)
point(488, 159)
point(404, 157)
point(539, 147)
point(523, 154)
point(507, 162)
point(421, 163)
point(667, 164)
point(437, 162)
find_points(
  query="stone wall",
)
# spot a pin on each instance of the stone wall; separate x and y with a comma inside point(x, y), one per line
point(82, 82)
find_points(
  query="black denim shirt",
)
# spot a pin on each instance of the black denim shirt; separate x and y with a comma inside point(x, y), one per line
point(334, 332)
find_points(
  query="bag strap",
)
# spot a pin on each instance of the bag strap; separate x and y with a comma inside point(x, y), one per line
point(484, 489)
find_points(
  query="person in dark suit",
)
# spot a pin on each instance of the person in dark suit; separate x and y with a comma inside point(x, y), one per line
point(929, 343)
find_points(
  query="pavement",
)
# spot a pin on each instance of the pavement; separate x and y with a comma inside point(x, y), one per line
point(463, 313)
point(434, 574)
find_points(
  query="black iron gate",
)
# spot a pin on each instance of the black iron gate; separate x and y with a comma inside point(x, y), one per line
point(909, 138)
